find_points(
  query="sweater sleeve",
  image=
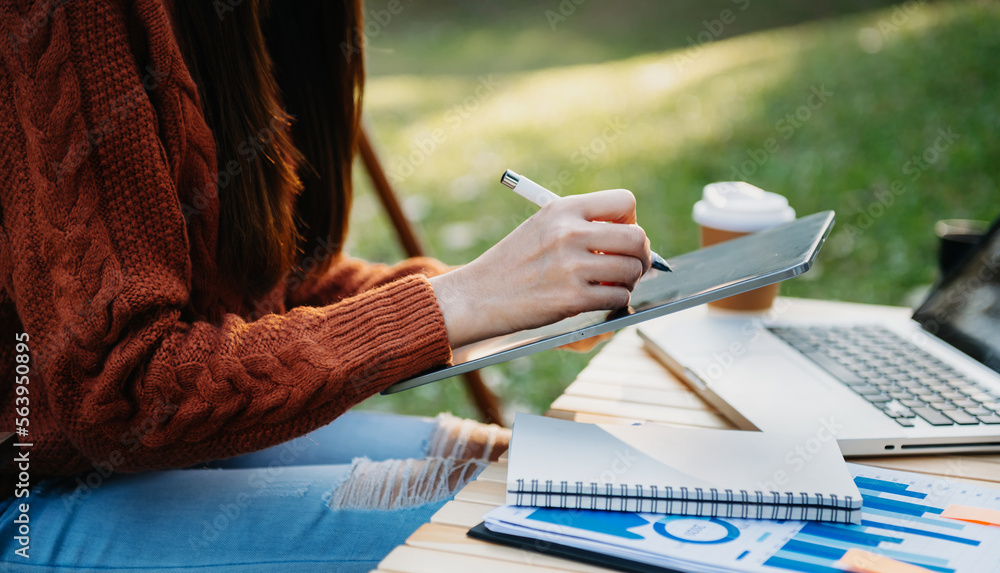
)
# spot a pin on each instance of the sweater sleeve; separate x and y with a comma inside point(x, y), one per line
point(101, 264)
point(348, 276)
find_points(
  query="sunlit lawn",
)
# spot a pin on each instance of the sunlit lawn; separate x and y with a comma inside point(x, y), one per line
point(889, 117)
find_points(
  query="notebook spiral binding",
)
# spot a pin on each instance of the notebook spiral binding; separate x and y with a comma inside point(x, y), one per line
point(708, 502)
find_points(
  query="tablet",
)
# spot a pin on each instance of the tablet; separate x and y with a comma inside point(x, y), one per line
point(698, 277)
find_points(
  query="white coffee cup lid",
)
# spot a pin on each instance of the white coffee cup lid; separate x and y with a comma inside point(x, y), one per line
point(741, 207)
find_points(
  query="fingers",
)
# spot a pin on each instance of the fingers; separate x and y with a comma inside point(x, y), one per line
point(612, 206)
point(627, 240)
point(557, 264)
point(608, 297)
point(601, 282)
point(614, 270)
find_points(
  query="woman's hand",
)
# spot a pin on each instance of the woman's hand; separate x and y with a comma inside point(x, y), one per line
point(562, 261)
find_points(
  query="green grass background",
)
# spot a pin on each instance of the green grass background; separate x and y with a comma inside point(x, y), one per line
point(687, 112)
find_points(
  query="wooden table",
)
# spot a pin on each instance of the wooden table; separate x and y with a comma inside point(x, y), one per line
point(622, 384)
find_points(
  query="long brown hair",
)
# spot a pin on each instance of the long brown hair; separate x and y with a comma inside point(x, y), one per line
point(258, 68)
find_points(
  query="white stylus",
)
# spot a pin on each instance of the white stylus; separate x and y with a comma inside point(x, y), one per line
point(541, 196)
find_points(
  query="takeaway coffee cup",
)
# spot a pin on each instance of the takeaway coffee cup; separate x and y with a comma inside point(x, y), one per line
point(731, 209)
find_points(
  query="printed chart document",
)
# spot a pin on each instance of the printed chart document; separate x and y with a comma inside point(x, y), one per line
point(903, 518)
point(656, 468)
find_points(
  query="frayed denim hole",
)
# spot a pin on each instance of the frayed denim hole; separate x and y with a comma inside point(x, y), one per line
point(399, 484)
point(451, 438)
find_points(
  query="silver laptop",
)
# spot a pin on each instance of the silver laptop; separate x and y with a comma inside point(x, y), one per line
point(878, 384)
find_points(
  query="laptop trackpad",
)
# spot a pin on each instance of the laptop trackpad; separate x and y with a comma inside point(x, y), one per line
point(774, 392)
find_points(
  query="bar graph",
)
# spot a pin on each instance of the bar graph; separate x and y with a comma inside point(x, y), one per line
point(901, 519)
point(896, 522)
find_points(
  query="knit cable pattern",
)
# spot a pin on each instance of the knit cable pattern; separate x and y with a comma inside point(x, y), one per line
point(118, 293)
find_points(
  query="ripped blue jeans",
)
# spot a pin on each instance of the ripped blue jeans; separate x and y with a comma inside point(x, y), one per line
point(338, 499)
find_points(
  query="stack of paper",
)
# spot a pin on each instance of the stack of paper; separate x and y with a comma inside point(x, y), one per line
point(904, 519)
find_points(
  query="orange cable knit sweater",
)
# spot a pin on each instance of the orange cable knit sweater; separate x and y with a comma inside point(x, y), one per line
point(138, 357)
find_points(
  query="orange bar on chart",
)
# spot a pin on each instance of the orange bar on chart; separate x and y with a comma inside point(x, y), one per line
point(979, 515)
point(868, 562)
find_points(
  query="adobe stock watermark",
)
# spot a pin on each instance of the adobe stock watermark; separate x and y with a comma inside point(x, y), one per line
point(402, 167)
point(361, 378)
point(132, 438)
point(273, 302)
point(22, 461)
point(955, 468)
point(376, 22)
point(796, 459)
point(619, 464)
point(585, 155)
point(258, 482)
point(961, 293)
point(914, 167)
point(121, 109)
point(40, 17)
point(224, 7)
point(562, 12)
point(723, 360)
point(582, 158)
point(712, 31)
point(944, 479)
point(250, 149)
point(873, 38)
point(786, 127)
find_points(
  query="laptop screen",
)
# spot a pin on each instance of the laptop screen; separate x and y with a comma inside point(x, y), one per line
point(964, 310)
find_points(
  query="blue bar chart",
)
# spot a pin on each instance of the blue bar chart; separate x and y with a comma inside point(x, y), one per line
point(901, 519)
point(896, 523)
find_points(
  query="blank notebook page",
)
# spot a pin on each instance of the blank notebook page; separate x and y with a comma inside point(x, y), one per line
point(649, 455)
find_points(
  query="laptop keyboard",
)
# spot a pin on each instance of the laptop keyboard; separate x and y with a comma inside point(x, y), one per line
point(894, 375)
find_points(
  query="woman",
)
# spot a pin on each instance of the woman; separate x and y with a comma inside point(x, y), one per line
point(176, 300)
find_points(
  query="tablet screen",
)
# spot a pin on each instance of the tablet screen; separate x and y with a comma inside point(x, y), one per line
point(698, 277)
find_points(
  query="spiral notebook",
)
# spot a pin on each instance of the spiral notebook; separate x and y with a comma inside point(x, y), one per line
point(654, 468)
